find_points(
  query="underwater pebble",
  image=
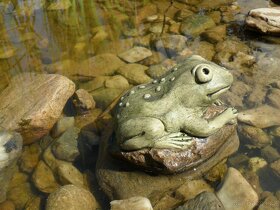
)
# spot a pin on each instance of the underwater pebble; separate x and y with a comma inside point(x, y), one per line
point(135, 203)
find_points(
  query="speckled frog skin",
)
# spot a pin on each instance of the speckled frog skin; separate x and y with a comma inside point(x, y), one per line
point(168, 112)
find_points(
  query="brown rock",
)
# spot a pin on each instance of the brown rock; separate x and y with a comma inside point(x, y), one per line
point(34, 204)
point(135, 73)
point(262, 117)
point(33, 106)
point(117, 81)
point(216, 34)
point(148, 10)
point(43, 178)
point(274, 98)
point(275, 166)
point(135, 203)
point(7, 205)
point(30, 157)
point(270, 203)
point(71, 197)
point(204, 49)
point(83, 101)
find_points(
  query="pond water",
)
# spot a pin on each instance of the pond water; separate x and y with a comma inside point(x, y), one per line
point(63, 36)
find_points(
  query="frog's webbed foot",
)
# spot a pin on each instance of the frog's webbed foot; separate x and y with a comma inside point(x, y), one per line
point(219, 102)
point(174, 140)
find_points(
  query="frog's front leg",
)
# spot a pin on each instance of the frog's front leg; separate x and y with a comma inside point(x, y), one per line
point(138, 133)
point(204, 128)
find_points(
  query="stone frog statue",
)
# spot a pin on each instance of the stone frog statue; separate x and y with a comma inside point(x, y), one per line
point(168, 112)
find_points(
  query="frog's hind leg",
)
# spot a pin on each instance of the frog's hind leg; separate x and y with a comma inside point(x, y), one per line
point(141, 133)
point(177, 140)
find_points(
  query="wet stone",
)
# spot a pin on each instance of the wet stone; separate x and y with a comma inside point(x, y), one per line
point(135, 73)
point(156, 71)
point(43, 178)
point(30, 157)
point(97, 82)
point(262, 117)
point(256, 163)
point(205, 200)
point(66, 146)
point(216, 34)
point(105, 96)
point(196, 24)
point(270, 154)
point(7, 205)
point(171, 44)
point(256, 136)
point(135, 203)
point(71, 197)
point(274, 98)
point(275, 166)
point(117, 81)
point(204, 49)
point(62, 125)
point(270, 203)
point(31, 114)
point(236, 192)
point(135, 54)
point(83, 101)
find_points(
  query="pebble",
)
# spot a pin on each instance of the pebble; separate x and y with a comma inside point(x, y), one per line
point(30, 157)
point(135, 203)
point(256, 163)
point(71, 197)
point(205, 200)
point(117, 81)
point(66, 146)
point(43, 178)
point(236, 192)
point(135, 54)
point(270, 154)
point(83, 101)
point(262, 117)
point(275, 166)
point(270, 203)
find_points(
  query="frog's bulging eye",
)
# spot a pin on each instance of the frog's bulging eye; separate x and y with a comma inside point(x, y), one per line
point(202, 73)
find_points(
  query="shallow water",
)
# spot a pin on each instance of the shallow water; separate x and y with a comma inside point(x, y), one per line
point(34, 38)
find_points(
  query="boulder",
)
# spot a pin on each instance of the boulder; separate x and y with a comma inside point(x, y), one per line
point(32, 103)
point(264, 20)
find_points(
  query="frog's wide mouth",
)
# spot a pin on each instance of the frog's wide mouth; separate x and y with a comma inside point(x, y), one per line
point(218, 92)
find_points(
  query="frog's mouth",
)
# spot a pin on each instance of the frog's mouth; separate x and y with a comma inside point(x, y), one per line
point(218, 92)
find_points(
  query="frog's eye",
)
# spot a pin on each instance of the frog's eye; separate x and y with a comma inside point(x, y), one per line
point(202, 73)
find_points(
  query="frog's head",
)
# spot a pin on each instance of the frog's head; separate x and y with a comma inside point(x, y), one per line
point(203, 81)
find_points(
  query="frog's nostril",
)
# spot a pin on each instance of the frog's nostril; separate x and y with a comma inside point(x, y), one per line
point(206, 71)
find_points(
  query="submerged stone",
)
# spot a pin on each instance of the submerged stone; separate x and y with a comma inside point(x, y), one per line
point(135, 203)
point(135, 54)
point(32, 103)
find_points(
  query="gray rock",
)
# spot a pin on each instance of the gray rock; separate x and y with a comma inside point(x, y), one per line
point(62, 125)
point(135, 203)
point(66, 146)
point(31, 114)
point(135, 73)
point(135, 54)
point(10, 150)
point(262, 117)
point(83, 101)
point(236, 192)
point(205, 201)
point(264, 20)
point(196, 24)
point(71, 197)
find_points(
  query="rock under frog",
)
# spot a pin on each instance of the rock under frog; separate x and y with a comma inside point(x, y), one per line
point(168, 112)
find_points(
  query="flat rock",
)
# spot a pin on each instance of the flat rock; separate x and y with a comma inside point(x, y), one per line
point(32, 107)
point(117, 81)
point(236, 192)
point(69, 174)
point(262, 117)
point(264, 20)
point(105, 96)
point(135, 54)
point(10, 151)
point(274, 98)
point(135, 203)
point(135, 73)
point(66, 146)
point(62, 125)
point(71, 197)
point(205, 200)
point(121, 181)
